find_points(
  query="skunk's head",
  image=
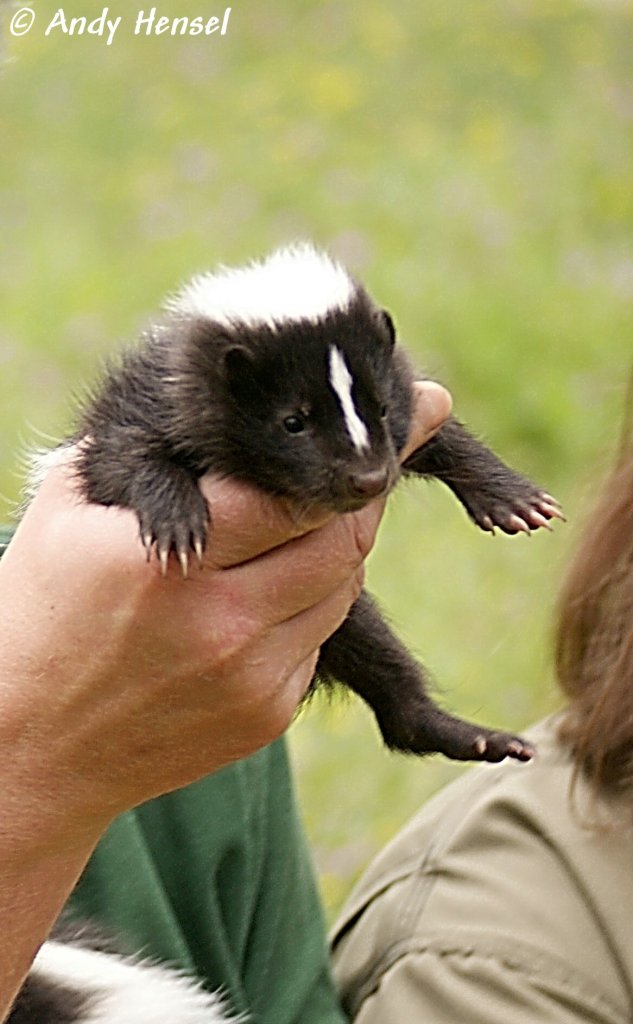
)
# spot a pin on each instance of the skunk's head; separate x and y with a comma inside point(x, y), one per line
point(316, 398)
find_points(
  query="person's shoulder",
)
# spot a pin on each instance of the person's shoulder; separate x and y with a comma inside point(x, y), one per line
point(449, 820)
point(501, 863)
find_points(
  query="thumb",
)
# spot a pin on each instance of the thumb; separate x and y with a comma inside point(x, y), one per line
point(432, 406)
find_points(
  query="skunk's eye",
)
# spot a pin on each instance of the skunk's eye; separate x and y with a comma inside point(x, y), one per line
point(294, 424)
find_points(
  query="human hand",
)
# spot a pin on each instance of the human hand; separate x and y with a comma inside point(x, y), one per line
point(118, 684)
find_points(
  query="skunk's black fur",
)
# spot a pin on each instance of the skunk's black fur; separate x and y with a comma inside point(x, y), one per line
point(43, 1001)
point(315, 409)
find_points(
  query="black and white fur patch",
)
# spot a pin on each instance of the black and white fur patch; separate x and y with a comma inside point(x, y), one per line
point(74, 984)
point(294, 283)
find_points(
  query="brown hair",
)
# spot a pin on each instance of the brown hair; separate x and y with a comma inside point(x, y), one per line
point(594, 647)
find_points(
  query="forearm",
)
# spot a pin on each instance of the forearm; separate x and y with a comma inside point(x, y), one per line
point(35, 881)
point(45, 839)
point(43, 844)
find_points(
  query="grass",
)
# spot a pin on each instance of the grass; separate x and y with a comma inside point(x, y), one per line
point(472, 162)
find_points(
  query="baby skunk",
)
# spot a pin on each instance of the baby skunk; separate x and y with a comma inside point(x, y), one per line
point(285, 374)
point(79, 977)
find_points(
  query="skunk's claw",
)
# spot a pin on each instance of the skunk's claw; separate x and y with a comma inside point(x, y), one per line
point(518, 525)
point(537, 519)
point(183, 558)
point(148, 540)
point(163, 557)
point(179, 524)
point(550, 508)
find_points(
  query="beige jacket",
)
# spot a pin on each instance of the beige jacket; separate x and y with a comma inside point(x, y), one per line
point(495, 905)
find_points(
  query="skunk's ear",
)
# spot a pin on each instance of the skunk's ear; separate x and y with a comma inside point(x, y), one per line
point(239, 366)
point(388, 325)
point(238, 363)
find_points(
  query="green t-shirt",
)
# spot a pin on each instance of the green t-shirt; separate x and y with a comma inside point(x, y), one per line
point(217, 879)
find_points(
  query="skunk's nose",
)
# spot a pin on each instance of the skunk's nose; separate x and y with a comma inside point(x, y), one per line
point(368, 483)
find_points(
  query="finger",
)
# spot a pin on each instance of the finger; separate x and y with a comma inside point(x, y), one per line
point(289, 579)
point(283, 582)
point(282, 700)
point(246, 522)
point(432, 406)
point(308, 630)
point(293, 646)
point(279, 694)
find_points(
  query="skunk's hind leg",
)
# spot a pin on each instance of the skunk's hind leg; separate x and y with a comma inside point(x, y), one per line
point(368, 658)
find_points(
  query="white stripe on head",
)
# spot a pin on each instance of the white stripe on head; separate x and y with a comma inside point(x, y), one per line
point(294, 283)
point(341, 381)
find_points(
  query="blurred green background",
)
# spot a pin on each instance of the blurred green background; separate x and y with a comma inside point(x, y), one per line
point(471, 161)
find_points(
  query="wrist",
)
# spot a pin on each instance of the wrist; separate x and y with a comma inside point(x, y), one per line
point(43, 813)
point(46, 806)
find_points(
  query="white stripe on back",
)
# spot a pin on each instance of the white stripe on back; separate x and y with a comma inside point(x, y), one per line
point(121, 991)
point(341, 381)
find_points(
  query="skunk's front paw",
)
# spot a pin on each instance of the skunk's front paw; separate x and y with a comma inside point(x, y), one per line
point(177, 522)
point(514, 505)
